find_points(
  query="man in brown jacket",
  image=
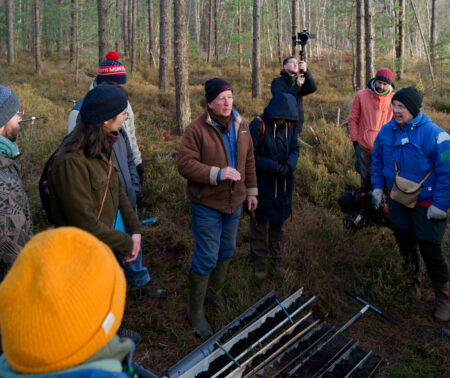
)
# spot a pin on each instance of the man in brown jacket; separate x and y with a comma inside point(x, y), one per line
point(216, 157)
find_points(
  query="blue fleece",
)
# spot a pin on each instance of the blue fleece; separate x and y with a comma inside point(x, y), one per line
point(417, 147)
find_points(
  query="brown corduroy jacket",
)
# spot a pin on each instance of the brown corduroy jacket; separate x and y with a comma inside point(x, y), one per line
point(203, 153)
point(77, 185)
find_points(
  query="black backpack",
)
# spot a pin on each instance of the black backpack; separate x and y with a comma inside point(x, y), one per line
point(44, 191)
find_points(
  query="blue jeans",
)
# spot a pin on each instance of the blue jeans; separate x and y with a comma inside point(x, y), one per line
point(215, 237)
point(136, 274)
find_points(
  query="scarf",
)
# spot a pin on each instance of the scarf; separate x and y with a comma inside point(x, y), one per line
point(373, 88)
point(8, 148)
point(225, 122)
point(109, 140)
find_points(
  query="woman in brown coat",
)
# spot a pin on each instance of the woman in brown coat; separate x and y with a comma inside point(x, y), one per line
point(85, 189)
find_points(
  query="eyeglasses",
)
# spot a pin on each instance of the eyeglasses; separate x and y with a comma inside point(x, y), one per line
point(21, 113)
point(224, 99)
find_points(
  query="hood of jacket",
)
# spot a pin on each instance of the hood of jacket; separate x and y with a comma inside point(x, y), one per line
point(282, 106)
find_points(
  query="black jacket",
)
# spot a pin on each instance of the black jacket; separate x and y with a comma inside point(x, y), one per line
point(274, 146)
point(288, 84)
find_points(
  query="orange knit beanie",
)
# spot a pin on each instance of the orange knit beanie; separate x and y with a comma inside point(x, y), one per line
point(61, 302)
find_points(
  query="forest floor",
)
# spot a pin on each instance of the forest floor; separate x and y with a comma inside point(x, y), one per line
point(320, 254)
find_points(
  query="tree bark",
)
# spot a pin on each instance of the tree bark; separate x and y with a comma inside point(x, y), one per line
point(256, 80)
point(119, 38)
point(400, 40)
point(294, 24)
point(240, 35)
point(102, 7)
point(37, 37)
point(370, 41)
point(9, 5)
point(125, 28)
point(433, 31)
point(151, 47)
point(181, 67)
point(277, 16)
point(359, 44)
point(210, 32)
point(73, 30)
point(164, 45)
point(133, 35)
point(216, 25)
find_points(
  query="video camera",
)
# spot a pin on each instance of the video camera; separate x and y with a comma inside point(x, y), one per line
point(302, 39)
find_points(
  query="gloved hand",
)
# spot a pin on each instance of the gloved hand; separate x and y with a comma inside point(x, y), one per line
point(355, 143)
point(377, 196)
point(436, 213)
point(284, 170)
point(140, 171)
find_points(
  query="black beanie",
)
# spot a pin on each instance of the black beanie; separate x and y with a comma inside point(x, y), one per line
point(411, 98)
point(214, 87)
point(102, 103)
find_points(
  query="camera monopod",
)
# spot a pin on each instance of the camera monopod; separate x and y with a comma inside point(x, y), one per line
point(302, 39)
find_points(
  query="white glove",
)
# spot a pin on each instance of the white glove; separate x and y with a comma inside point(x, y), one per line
point(436, 213)
point(377, 196)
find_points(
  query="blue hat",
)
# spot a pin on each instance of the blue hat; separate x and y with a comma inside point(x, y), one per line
point(102, 103)
point(9, 105)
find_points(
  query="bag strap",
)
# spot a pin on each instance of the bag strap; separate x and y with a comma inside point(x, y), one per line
point(263, 127)
point(421, 181)
point(106, 188)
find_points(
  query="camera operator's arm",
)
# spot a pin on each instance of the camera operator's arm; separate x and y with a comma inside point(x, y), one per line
point(309, 85)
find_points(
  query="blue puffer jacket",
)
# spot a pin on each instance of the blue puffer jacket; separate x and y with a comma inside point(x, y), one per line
point(274, 146)
point(417, 148)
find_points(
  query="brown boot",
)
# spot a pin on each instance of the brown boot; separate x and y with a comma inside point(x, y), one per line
point(442, 304)
point(415, 290)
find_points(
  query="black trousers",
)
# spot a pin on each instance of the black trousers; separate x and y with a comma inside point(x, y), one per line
point(418, 237)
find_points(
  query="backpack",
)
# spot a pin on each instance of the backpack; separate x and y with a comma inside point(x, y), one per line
point(44, 191)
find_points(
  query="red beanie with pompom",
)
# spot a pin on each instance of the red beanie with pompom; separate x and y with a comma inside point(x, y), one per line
point(111, 70)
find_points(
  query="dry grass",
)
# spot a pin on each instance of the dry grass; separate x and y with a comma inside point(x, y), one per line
point(319, 254)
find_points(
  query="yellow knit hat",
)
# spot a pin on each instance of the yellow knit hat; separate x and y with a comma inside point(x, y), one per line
point(61, 302)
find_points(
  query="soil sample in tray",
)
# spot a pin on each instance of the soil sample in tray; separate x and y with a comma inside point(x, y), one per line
point(367, 369)
point(321, 357)
point(346, 365)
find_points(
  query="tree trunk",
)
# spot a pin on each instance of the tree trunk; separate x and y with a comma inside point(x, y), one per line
point(119, 39)
point(73, 30)
point(102, 7)
point(164, 45)
point(294, 24)
point(256, 80)
point(359, 44)
point(400, 40)
point(150, 33)
point(433, 31)
point(9, 5)
point(277, 16)
point(125, 28)
point(424, 42)
point(370, 41)
point(210, 32)
point(181, 67)
point(133, 35)
point(216, 25)
point(240, 35)
point(59, 40)
point(37, 37)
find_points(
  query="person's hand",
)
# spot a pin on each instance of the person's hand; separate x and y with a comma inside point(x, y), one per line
point(252, 203)
point(436, 213)
point(302, 66)
point(300, 80)
point(136, 238)
point(284, 170)
point(377, 196)
point(229, 173)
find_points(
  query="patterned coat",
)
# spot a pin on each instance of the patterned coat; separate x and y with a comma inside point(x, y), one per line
point(16, 227)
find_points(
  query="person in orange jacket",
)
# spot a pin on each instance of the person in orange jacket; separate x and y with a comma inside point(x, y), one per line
point(371, 109)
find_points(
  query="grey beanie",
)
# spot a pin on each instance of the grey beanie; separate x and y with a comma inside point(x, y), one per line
point(9, 105)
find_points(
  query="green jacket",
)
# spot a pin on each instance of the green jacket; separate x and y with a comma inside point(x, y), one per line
point(77, 185)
